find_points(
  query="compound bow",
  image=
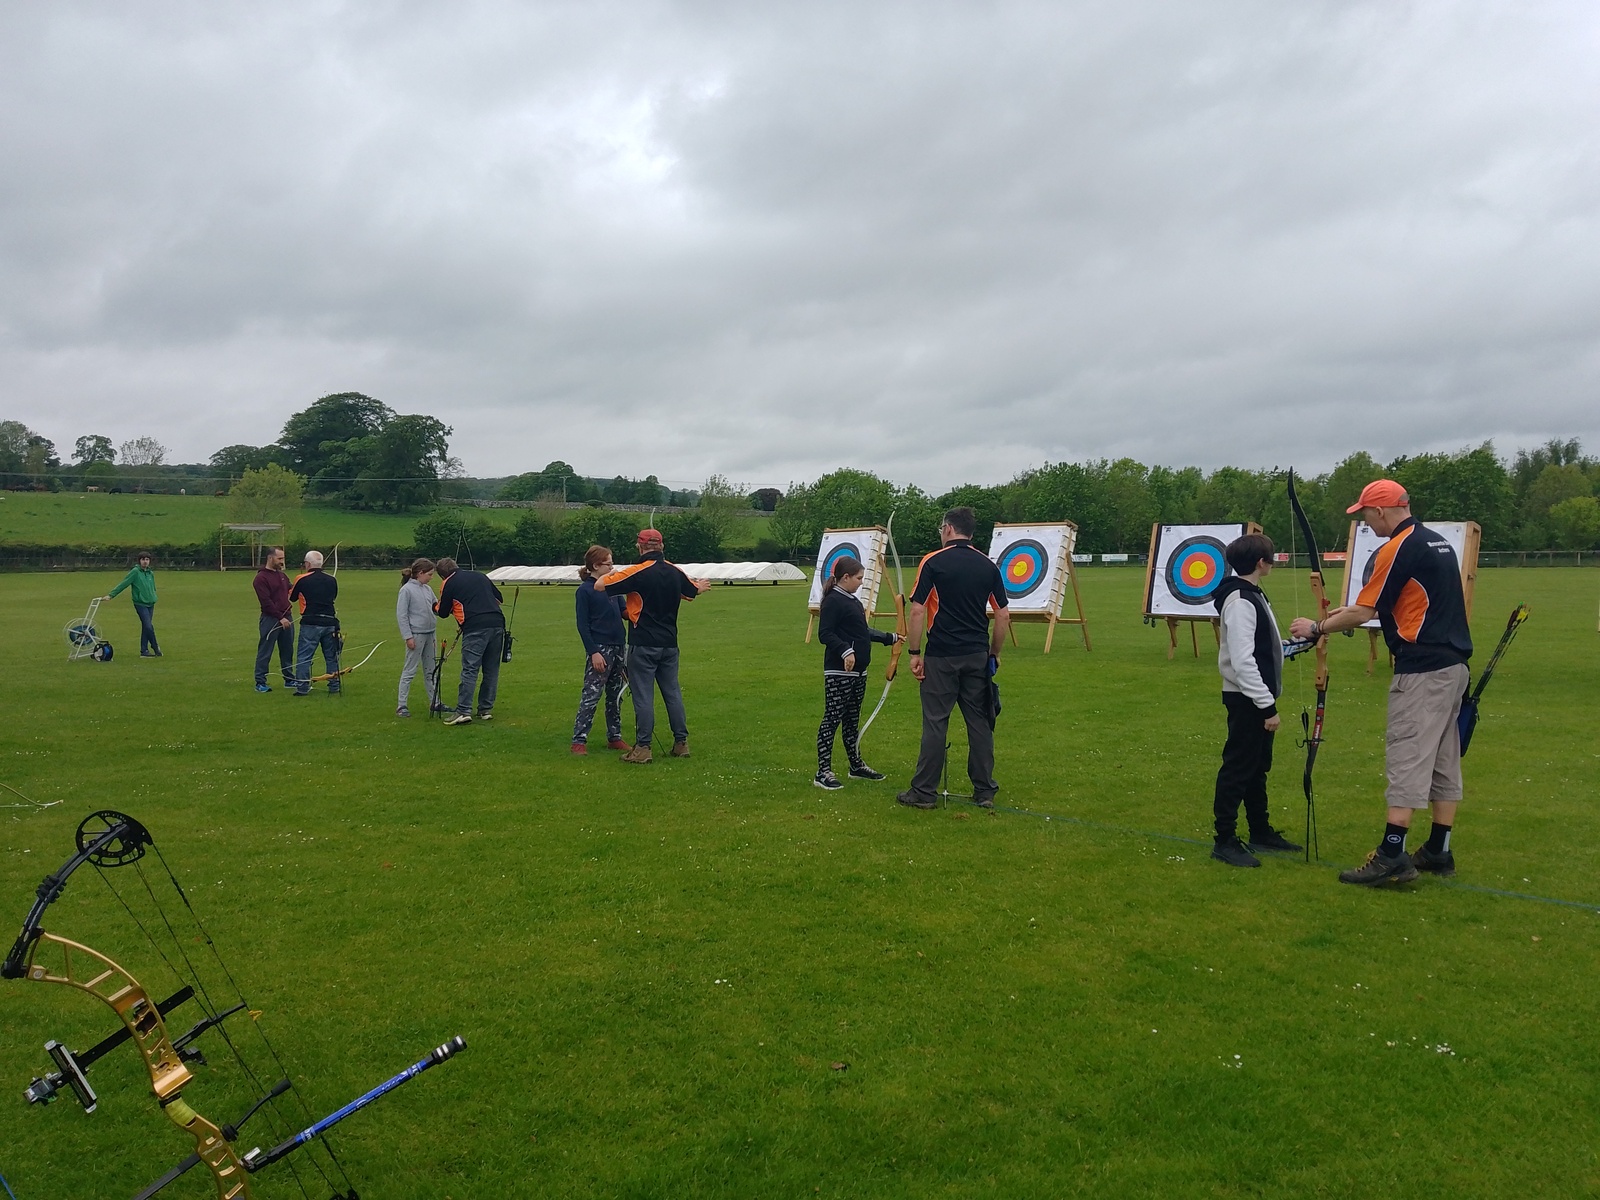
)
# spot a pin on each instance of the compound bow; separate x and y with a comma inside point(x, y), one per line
point(107, 840)
point(1312, 729)
point(899, 627)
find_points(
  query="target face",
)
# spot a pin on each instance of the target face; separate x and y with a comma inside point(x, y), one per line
point(1195, 569)
point(1024, 565)
point(841, 550)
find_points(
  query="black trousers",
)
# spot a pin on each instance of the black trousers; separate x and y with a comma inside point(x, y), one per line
point(947, 682)
point(269, 634)
point(1246, 759)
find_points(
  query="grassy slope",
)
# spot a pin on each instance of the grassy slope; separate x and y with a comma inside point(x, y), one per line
point(95, 518)
point(1027, 1007)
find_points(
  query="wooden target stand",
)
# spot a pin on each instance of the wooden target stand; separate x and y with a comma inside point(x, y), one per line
point(1192, 622)
point(883, 575)
point(1469, 581)
point(1058, 602)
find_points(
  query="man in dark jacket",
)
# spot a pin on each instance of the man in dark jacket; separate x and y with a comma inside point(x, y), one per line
point(473, 600)
point(956, 586)
point(275, 627)
point(654, 588)
point(316, 591)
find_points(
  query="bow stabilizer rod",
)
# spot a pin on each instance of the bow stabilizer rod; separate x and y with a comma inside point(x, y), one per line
point(259, 1158)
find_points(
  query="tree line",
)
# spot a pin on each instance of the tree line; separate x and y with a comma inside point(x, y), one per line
point(1543, 498)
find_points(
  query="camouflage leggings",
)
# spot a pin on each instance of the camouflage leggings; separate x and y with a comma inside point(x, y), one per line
point(610, 682)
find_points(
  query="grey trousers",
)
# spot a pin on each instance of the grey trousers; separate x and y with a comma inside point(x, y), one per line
point(650, 667)
point(421, 659)
point(480, 651)
point(962, 680)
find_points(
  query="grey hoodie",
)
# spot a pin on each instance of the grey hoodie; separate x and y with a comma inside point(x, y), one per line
point(414, 610)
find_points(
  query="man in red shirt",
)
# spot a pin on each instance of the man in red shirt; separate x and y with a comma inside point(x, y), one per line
point(276, 626)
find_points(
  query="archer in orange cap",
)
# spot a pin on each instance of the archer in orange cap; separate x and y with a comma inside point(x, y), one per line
point(1381, 493)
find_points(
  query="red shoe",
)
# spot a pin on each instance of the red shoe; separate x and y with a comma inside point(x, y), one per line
point(579, 748)
point(618, 744)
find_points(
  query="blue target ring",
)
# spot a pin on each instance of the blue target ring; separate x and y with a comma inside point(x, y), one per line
point(842, 550)
point(1195, 569)
point(1024, 565)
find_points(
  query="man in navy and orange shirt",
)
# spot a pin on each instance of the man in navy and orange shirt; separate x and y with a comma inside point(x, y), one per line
point(1415, 592)
point(956, 586)
point(316, 591)
point(473, 600)
point(653, 588)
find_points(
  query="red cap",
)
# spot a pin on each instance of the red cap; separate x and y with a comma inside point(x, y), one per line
point(650, 537)
point(1381, 493)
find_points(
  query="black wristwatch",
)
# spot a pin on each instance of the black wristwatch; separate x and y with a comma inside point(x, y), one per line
point(918, 653)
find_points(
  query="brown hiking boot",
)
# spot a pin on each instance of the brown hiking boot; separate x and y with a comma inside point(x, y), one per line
point(680, 749)
point(639, 754)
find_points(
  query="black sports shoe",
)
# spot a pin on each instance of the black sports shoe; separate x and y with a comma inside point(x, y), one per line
point(866, 772)
point(983, 801)
point(1440, 863)
point(1380, 868)
point(1273, 840)
point(912, 800)
point(826, 780)
point(1235, 853)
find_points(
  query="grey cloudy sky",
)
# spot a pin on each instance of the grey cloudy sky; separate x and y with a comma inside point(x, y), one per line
point(944, 242)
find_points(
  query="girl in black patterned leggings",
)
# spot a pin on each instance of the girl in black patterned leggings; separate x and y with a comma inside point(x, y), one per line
point(847, 649)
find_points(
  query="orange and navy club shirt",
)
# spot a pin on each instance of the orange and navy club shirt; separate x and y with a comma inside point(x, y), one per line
point(1416, 589)
point(956, 584)
point(653, 588)
point(316, 591)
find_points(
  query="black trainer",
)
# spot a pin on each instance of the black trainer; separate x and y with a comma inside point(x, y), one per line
point(1438, 863)
point(1273, 840)
point(1235, 853)
point(983, 801)
point(912, 800)
point(826, 780)
point(1381, 868)
point(866, 772)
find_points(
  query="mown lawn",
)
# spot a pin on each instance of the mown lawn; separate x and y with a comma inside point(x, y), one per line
point(657, 968)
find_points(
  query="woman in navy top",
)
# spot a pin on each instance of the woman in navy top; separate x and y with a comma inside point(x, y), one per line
point(605, 671)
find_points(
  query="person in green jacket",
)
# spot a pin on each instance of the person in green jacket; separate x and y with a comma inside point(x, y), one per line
point(143, 582)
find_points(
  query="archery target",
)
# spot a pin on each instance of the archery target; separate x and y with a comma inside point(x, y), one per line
point(1033, 562)
point(1195, 569)
point(840, 550)
point(866, 546)
point(1187, 564)
point(1024, 566)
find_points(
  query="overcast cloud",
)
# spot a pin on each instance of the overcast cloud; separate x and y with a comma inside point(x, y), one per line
point(941, 242)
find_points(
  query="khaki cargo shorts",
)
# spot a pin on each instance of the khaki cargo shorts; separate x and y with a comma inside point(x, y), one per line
point(1423, 755)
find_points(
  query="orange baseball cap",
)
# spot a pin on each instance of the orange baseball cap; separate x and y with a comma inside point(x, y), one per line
point(1380, 493)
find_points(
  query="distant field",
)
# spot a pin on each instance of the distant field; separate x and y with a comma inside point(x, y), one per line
point(96, 518)
point(93, 518)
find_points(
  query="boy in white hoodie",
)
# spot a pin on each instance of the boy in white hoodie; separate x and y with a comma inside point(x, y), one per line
point(1250, 658)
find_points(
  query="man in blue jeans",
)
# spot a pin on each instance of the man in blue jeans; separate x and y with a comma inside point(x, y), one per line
point(143, 582)
point(275, 627)
point(316, 591)
point(473, 600)
point(654, 588)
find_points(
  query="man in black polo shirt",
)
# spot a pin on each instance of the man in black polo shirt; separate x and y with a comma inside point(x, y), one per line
point(955, 587)
point(653, 588)
point(316, 591)
point(473, 600)
point(1415, 592)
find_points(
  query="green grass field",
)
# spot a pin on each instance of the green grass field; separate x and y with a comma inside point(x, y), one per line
point(98, 518)
point(657, 967)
